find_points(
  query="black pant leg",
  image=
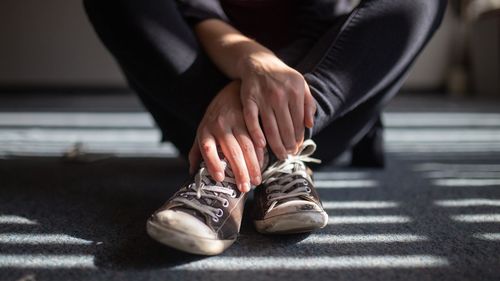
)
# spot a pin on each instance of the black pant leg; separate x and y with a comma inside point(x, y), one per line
point(357, 66)
point(160, 56)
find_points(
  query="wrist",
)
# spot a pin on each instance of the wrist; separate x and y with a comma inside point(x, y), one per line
point(244, 64)
point(256, 62)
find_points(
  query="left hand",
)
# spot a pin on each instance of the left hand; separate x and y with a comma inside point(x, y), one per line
point(281, 97)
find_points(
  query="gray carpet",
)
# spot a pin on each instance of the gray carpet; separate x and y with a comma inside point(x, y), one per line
point(432, 214)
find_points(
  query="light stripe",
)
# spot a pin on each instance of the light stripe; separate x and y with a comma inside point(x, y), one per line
point(331, 205)
point(477, 218)
point(488, 236)
point(430, 119)
point(313, 263)
point(334, 175)
point(467, 182)
point(368, 219)
point(363, 238)
point(462, 174)
point(334, 184)
point(79, 135)
point(52, 149)
point(36, 239)
point(457, 167)
point(414, 135)
point(47, 261)
point(443, 148)
point(468, 203)
point(8, 219)
point(76, 119)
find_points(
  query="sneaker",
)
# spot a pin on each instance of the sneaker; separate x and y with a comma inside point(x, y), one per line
point(203, 217)
point(286, 201)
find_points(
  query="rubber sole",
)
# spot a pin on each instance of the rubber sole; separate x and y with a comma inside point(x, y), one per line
point(186, 242)
point(290, 223)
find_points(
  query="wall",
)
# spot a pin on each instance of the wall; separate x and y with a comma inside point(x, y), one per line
point(51, 43)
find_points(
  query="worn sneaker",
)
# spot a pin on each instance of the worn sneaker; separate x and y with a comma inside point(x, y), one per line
point(286, 201)
point(203, 217)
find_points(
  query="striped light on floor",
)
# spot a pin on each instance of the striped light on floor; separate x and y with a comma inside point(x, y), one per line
point(457, 167)
point(430, 119)
point(334, 175)
point(314, 263)
point(488, 236)
point(467, 182)
point(47, 261)
point(477, 218)
point(462, 174)
point(76, 119)
point(472, 202)
point(363, 238)
point(332, 205)
point(367, 219)
point(37, 239)
point(8, 219)
point(335, 184)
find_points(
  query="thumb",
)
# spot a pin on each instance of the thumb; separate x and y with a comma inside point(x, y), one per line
point(309, 108)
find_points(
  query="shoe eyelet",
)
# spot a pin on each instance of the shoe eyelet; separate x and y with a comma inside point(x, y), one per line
point(233, 195)
point(268, 197)
point(308, 190)
point(215, 219)
point(225, 204)
point(219, 213)
point(267, 191)
point(306, 182)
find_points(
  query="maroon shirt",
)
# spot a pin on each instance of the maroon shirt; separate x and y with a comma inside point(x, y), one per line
point(267, 21)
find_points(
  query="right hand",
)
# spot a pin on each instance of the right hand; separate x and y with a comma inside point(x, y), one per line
point(223, 124)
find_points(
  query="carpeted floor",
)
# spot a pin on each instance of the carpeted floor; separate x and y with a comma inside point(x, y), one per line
point(432, 214)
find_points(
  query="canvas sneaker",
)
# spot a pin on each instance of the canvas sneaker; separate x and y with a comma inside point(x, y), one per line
point(203, 217)
point(286, 201)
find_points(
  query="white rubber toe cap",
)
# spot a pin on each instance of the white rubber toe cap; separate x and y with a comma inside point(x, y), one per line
point(183, 222)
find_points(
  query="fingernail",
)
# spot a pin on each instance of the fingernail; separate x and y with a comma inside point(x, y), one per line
point(257, 179)
point(219, 176)
point(262, 142)
point(245, 187)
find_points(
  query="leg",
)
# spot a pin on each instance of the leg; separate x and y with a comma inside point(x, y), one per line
point(160, 56)
point(358, 65)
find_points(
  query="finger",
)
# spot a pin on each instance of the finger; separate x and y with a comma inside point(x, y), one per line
point(309, 107)
point(296, 108)
point(251, 114)
point(232, 151)
point(285, 126)
point(208, 150)
point(260, 156)
point(272, 134)
point(194, 157)
point(251, 160)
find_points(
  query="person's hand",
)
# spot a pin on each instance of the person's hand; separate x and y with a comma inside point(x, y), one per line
point(281, 97)
point(223, 124)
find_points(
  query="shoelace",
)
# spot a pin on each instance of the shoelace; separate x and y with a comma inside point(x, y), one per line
point(288, 178)
point(200, 194)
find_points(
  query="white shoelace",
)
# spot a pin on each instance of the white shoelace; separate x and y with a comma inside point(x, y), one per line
point(288, 178)
point(200, 194)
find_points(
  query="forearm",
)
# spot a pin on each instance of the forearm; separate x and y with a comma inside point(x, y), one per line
point(228, 48)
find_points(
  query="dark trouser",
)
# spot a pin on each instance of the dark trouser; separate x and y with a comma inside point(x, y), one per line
point(353, 65)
